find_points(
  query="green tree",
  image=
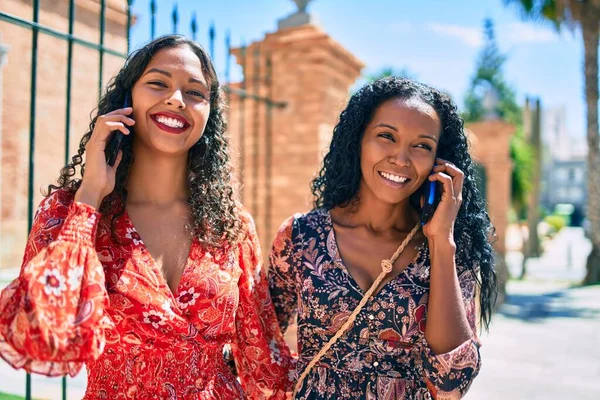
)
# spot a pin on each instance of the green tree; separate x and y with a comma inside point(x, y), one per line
point(584, 14)
point(489, 80)
point(522, 155)
point(390, 71)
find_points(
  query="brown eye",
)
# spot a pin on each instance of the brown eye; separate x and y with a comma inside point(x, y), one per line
point(157, 83)
point(197, 94)
point(388, 136)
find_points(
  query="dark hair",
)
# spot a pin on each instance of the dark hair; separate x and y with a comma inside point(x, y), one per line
point(213, 207)
point(338, 181)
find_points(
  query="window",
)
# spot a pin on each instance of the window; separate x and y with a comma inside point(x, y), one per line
point(575, 195)
point(561, 194)
point(561, 175)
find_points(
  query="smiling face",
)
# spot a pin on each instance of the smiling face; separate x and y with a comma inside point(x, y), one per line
point(171, 101)
point(398, 149)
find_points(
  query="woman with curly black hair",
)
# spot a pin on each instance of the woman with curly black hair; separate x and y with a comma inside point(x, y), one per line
point(146, 267)
point(385, 296)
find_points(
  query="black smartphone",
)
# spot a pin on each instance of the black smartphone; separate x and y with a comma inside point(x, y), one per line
point(430, 201)
point(116, 140)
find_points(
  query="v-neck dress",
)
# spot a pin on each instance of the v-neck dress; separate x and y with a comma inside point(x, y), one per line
point(384, 355)
point(89, 292)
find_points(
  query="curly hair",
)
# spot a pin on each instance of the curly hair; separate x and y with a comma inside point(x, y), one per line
point(337, 183)
point(213, 208)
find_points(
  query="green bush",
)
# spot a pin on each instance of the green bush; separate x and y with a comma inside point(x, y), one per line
point(556, 222)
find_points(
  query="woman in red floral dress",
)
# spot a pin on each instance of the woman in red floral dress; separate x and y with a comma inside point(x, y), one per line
point(144, 270)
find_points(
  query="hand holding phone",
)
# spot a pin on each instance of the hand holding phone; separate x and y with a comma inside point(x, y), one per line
point(442, 198)
point(116, 141)
point(102, 155)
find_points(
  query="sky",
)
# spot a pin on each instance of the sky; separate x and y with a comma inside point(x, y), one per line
point(436, 40)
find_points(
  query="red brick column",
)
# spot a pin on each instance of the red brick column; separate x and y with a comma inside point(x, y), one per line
point(312, 74)
point(490, 141)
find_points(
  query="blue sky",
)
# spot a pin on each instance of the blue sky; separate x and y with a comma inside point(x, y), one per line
point(437, 40)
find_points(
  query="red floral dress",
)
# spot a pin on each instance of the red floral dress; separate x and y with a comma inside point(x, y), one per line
point(89, 292)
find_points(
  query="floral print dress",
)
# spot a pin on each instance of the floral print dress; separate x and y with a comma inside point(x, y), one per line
point(90, 292)
point(384, 355)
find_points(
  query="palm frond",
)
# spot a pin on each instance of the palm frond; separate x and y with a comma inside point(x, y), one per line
point(543, 11)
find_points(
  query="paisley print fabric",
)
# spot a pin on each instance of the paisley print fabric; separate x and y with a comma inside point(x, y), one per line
point(89, 292)
point(385, 354)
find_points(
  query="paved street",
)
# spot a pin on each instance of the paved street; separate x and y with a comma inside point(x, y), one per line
point(544, 343)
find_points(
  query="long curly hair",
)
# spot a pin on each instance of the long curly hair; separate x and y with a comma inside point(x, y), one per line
point(213, 208)
point(337, 183)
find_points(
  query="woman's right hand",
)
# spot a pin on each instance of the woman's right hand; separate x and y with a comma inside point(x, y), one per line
point(99, 179)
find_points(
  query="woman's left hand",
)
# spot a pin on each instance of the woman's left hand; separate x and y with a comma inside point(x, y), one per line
point(441, 224)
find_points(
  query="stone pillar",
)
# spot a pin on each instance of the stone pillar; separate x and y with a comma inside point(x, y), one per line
point(312, 75)
point(490, 146)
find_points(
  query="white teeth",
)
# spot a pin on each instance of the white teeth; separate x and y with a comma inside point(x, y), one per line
point(395, 178)
point(172, 122)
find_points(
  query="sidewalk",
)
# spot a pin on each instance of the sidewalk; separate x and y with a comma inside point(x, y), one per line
point(544, 343)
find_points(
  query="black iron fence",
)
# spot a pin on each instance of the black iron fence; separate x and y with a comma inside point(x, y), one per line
point(244, 92)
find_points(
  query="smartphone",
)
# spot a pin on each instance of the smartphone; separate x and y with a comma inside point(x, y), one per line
point(431, 200)
point(116, 140)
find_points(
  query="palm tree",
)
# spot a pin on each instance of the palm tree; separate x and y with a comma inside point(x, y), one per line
point(586, 15)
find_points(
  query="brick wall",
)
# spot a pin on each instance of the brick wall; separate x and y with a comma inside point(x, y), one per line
point(50, 103)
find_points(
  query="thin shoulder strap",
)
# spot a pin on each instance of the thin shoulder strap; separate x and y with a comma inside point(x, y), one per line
point(386, 268)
